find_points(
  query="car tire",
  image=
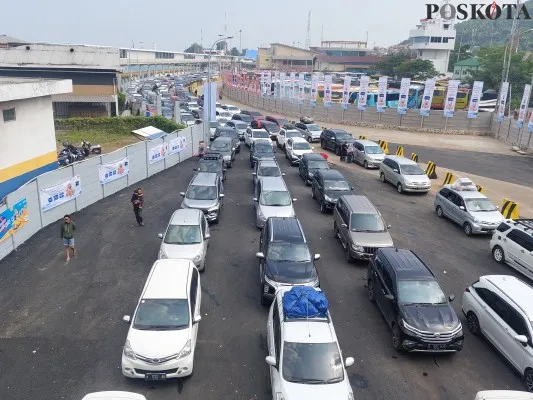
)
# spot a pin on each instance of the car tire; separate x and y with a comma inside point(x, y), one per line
point(399, 188)
point(467, 229)
point(370, 290)
point(365, 165)
point(307, 183)
point(528, 379)
point(397, 338)
point(382, 177)
point(322, 145)
point(348, 255)
point(230, 165)
point(313, 196)
point(263, 301)
point(473, 324)
point(309, 140)
point(439, 211)
point(336, 230)
point(202, 269)
point(498, 254)
point(323, 208)
point(337, 150)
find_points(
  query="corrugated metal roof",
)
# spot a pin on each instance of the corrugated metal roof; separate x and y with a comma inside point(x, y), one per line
point(79, 98)
point(4, 39)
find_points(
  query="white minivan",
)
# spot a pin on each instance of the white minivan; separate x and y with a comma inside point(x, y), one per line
point(272, 199)
point(163, 329)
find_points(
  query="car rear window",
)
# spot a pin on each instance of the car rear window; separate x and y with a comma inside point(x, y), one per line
point(503, 227)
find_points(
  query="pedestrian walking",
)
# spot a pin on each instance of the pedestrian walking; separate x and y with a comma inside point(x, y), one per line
point(350, 152)
point(67, 234)
point(137, 199)
point(344, 151)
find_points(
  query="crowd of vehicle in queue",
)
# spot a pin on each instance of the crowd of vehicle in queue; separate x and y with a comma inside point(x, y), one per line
point(304, 355)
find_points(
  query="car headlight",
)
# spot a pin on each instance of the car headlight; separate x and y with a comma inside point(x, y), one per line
point(358, 248)
point(279, 396)
point(162, 255)
point(477, 221)
point(128, 351)
point(186, 351)
point(328, 199)
point(227, 158)
point(408, 327)
point(213, 209)
point(408, 182)
point(260, 214)
point(197, 258)
point(350, 396)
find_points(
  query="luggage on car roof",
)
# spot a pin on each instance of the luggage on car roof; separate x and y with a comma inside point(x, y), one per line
point(305, 302)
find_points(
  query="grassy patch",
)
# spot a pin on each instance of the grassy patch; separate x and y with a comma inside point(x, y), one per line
point(108, 140)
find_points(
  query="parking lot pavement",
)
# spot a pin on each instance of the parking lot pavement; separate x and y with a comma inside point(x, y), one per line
point(62, 323)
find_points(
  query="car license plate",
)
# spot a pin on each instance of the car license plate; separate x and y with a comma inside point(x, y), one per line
point(156, 377)
point(436, 346)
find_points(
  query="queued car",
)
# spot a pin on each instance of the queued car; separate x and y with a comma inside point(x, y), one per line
point(265, 168)
point(232, 109)
point(272, 199)
point(295, 148)
point(310, 131)
point(471, 210)
point(309, 164)
point(161, 340)
point(224, 146)
point(285, 134)
point(272, 128)
point(367, 153)
point(231, 133)
point(256, 115)
point(212, 162)
point(277, 119)
point(284, 257)
point(213, 126)
point(404, 174)
point(327, 187)
point(243, 117)
point(253, 134)
point(205, 192)
point(186, 237)
point(188, 119)
point(413, 303)
point(239, 126)
point(334, 139)
point(261, 150)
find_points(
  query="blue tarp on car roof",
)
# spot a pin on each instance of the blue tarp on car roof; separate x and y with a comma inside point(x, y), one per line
point(305, 302)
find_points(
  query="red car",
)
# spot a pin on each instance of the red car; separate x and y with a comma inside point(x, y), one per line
point(256, 115)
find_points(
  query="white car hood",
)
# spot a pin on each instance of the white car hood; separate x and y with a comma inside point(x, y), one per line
point(417, 178)
point(277, 211)
point(376, 157)
point(487, 216)
point(298, 391)
point(186, 251)
point(157, 344)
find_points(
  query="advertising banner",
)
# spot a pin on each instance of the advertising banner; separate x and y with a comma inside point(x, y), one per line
point(530, 123)
point(327, 90)
point(346, 91)
point(177, 144)
point(381, 104)
point(363, 92)
point(477, 92)
point(268, 84)
point(276, 85)
point(292, 83)
point(404, 95)
point(157, 153)
point(110, 172)
point(282, 85)
point(59, 194)
point(314, 86)
point(14, 218)
point(503, 101)
point(523, 106)
point(451, 98)
point(427, 97)
point(301, 87)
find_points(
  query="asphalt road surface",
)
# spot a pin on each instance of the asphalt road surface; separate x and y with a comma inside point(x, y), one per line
point(61, 333)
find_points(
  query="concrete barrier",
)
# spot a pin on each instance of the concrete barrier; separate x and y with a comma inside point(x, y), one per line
point(431, 170)
point(363, 137)
point(480, 189)
point(384, 146)
point(448, 179)
point(399, 151)
point(509, 209)
point(414, 157)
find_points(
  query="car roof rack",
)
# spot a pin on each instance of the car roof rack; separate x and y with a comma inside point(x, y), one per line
point(527, 223)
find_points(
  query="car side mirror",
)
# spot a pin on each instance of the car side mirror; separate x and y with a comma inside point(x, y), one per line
point(195, 169)
point(182, 194)
point(351, 187)
point(233, 148)
point(221, 195)
point(389, 226)
point(462, 208)
point(294, 199)
point(395, 170)
point(349, 362)
point(207, 236)
point(521, 339)
point(389, 297)
point(254, 174)
point(260, 255)
point(283, 174)
point(160, 235)
point(271, 361)
point(451, 297)
point(255, 198)
point(197, 319)
point(317, 256)
point(126, 319)
point(344, 226)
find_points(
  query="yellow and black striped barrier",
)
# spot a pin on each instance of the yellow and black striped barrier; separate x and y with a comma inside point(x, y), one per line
point(509, 209)
point(399, 151)
point(480, 189)
point(384, 146)
point(414, 157)
point(449, 179)
point(363, 137)
point(431, 170)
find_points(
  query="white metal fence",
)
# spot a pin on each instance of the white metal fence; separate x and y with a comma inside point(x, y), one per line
point(91, 188)
point(508, 131)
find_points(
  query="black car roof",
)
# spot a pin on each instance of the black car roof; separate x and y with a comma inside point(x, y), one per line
point(339, 131)
point(331, 174)
point(313, 156)
point(405, 263)
point(286, 229)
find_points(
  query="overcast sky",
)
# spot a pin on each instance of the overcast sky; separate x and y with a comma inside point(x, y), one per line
point(174, 25)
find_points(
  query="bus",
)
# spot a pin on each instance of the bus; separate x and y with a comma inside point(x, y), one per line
point(393, 96)
point(439, 97)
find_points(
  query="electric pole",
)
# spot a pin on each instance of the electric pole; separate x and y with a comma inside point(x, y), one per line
point(308, 33)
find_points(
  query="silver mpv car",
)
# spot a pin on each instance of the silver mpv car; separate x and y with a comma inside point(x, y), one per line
point(204, 193)
point(405, 174)
point(367, 153)
point(272, 199)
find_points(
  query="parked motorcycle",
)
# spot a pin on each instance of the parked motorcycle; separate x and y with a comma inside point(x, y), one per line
point(70, 154)
point(89, 148)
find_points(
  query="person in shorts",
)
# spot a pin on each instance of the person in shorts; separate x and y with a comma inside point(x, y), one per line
point(68, 227)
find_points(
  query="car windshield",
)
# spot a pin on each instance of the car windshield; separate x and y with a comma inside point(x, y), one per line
point(260, 135)
point(477, 205)
point(162, 314)
point(342, 135)
point(313, 127)
point(263, 150)
point(255, 113)
point(231, 134)
point(220, 146)
point(183, 234)
point(312, 363)
point(246, 118)
point(301, 146)
point(373, 150)
point(336, 185)
point(196, 192)
point(420, 292)
point(240, 125)
point(214, 124)
point(210, 166)
point(366, 223)
point(269, 171)
point(317, 164)
point(222, 121)
point(290, 134)
point(187, 118)
point(271, 127)
point(412, 170)
point(276, 198)
point(283, 251)
point(233, 109)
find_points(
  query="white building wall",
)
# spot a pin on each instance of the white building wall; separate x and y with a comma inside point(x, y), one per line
point(32, 134)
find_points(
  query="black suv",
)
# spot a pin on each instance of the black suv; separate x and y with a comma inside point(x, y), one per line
point(225, 131)
point(310, 163)
point(413, 303)
point(261, 150)
point(333, 139)
point(271, 127)
point(243, 117)
point(327, 187)
point(284, 257)
point(212, 162)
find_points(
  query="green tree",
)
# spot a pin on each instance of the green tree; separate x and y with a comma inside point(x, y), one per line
point(121, 100)
point(388, 64)
point(459, 53)
point(235, 52)
point(418, 70)
point(194, 48)
point(222, 45)
point(243, 53)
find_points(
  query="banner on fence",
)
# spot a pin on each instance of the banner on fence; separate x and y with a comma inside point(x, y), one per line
point(346, 91)
point(328, 80)
point(177, 144)
point(314, 91)
point(14, 218)
point(110, 172)
point(403, 102)
point(523, 106)
point(59, 194)
point(477, 92)
point(301, 87)
point(427, 98)
point(381, 104)
point(503, 100)
point(157, 153)
point(451, 98)
point(530, 123)
point(292, 94)
point(363, 92)
point(268, 84)
point(276, 84)
point(282, 85)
